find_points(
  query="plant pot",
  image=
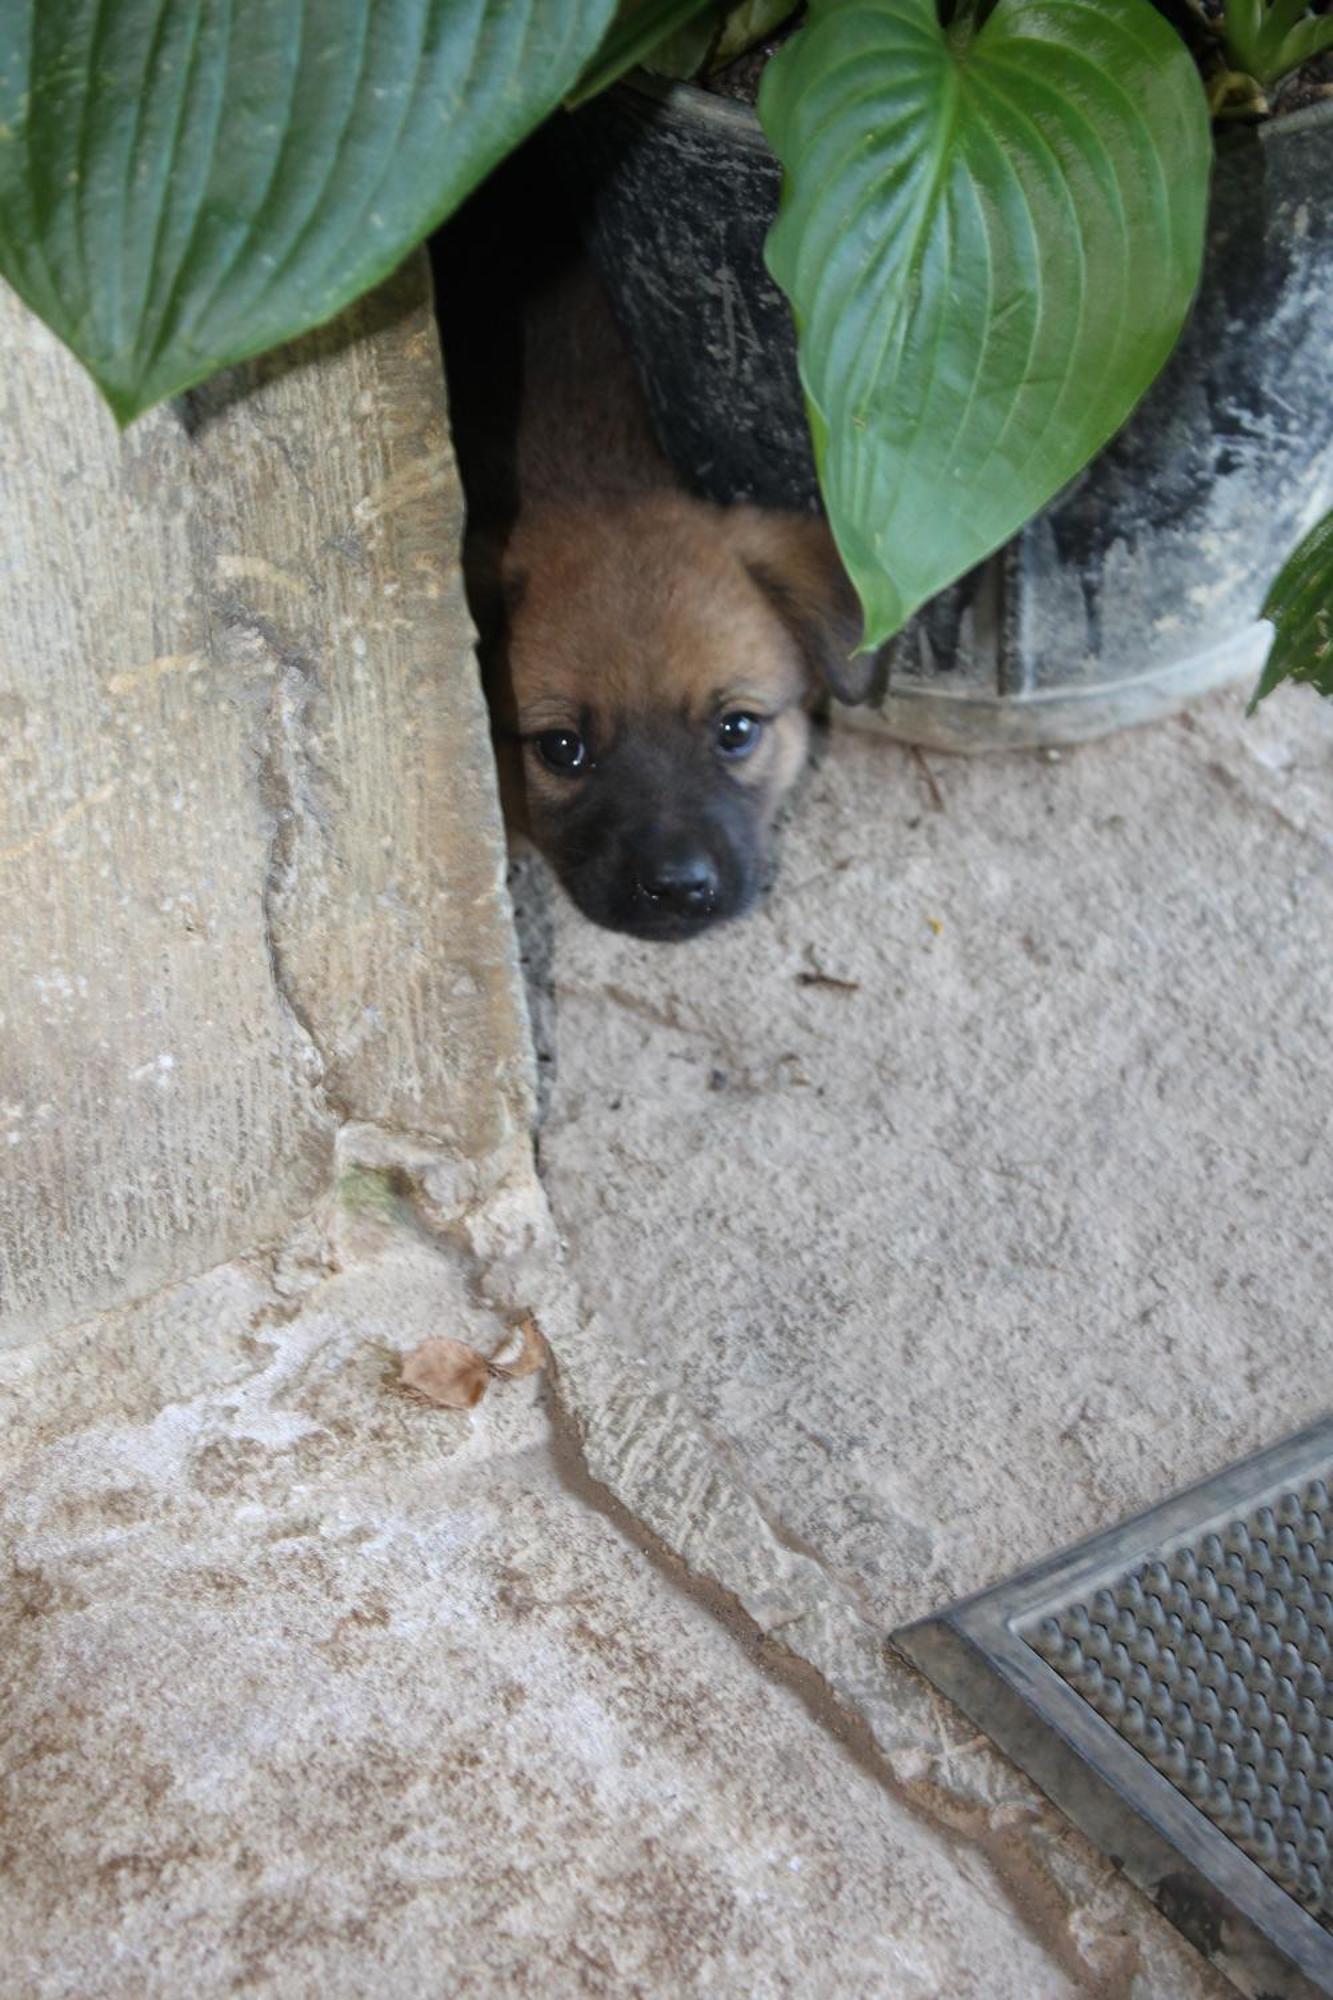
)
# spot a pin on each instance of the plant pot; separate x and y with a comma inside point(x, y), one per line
point(1139, 586)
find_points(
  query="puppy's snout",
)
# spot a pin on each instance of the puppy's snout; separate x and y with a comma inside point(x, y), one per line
point(683, 880)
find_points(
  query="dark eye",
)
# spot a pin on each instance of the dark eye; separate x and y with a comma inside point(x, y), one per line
point(562, 750)
point(738, 733)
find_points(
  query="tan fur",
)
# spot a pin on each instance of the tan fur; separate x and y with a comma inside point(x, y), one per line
point(653, 604)
point(614, 602)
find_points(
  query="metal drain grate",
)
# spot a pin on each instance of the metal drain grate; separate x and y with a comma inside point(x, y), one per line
point(1211, 1661)
point(1170, 1685)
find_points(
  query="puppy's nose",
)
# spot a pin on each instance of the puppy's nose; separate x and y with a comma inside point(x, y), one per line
point(684, 880)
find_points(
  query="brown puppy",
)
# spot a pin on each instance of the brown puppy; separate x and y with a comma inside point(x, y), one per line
point(650, 659)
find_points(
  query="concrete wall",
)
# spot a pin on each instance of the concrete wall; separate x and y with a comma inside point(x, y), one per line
point(251, 868)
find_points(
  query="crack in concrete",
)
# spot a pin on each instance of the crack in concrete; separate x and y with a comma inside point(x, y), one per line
point(1031, 1892)
point(292, 808)
point(634, 1449)
point(796, 1622)
point(285, 794)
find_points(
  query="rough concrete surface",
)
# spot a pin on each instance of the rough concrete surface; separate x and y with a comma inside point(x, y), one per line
point(972, 1197)
point(249, 864)
point(313, 1688)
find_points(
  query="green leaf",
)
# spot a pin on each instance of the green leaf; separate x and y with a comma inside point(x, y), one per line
point(1300, 605)
point(184, 183)
point(687, 53)
point(1267, 39)
point(990, 242)
point(746, 25)
point(671, 35)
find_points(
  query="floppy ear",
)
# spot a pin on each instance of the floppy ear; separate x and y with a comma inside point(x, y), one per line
point(795, 562)
point(495, 585)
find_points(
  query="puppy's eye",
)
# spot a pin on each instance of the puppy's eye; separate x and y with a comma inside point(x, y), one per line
point(562, 750)
point(738, 732)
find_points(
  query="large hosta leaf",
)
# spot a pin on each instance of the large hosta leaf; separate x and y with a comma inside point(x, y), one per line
point(187, 182)
point(1300, 605)
point(990, 241)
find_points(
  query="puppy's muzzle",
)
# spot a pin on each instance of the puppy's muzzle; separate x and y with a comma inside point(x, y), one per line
point(661, 841)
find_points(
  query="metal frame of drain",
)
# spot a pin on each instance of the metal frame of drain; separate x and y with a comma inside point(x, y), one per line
point(1169, 1685)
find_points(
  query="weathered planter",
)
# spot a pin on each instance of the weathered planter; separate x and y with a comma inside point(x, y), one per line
point(1136, 589)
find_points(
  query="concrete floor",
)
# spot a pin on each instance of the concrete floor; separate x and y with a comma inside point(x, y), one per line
point(972, 1198)
point(871, 1291)
point(1001, 1238)
point(315, 1689)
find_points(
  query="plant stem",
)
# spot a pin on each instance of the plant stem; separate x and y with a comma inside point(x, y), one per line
point(1234, 93)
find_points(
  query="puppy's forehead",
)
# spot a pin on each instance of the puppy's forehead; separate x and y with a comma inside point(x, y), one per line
point(647, 612)
point(727, 642)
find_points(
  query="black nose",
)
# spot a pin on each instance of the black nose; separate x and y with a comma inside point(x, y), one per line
point(683, 880)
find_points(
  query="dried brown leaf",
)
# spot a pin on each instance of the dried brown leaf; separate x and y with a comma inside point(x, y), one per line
point(448, 1372)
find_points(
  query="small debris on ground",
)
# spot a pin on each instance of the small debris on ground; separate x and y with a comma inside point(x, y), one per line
point(523, 1353)
point(815, 975)
point(456, 1376)
point(932, 783)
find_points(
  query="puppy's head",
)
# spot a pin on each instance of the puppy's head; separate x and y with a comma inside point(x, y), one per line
point(650, 688)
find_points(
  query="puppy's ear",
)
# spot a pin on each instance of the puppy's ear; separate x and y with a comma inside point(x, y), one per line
point(795, 562)
point(495, 585)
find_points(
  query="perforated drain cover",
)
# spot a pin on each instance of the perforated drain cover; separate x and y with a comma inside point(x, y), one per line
point(1170, 1685)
